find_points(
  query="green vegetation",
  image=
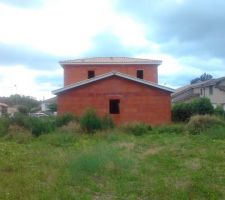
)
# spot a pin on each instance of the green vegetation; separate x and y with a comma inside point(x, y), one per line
point(200, 123)
point(136, 128)
point(58, 158)
point(4, 126)
point(53, 107)
point(182, 112)
point(134, 161)
point(65, 119)
point(27, 103)
point(113, 165)
point(90, 122)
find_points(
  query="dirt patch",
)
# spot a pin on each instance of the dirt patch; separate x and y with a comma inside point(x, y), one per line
point(193, 164)
point(151, 151)
point(126, 145)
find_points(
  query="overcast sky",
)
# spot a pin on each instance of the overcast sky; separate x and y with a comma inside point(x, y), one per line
point(187, 35)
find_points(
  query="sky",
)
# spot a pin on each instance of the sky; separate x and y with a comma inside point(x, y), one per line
point(187, 35)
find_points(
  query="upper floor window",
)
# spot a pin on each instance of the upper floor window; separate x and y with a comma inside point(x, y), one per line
point(140, 74)
point(91, 74)
point(211, 90)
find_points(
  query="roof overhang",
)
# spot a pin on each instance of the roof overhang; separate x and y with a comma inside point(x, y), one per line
point(63, 63)
point(110, 61)
point(107, 75)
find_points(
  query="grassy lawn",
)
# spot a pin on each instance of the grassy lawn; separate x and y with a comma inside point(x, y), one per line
point(112, 166)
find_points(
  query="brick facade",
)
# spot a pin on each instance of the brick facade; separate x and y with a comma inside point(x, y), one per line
point(75, 73)
point(138, 102)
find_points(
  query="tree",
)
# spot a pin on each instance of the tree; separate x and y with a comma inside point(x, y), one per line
point(20, 100)
point(53, 107)
point(203, 77)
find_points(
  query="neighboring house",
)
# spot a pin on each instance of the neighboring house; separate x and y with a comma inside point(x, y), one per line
point(12, 110)
point(3, 109)
point(46, 103)
point(125, 88)
point(213, 89)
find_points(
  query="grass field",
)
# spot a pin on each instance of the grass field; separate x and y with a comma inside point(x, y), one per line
point(112, 166)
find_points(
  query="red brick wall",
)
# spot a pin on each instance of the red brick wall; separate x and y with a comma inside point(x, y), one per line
point(137, 102)
point(76, 73)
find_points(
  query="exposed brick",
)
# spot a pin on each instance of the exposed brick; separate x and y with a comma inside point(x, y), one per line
point(137, 102)
point(75, 73)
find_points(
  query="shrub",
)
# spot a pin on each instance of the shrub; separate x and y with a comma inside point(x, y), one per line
point(202, 106)
point(20, 119)
point(136, 128)
point(183, 111)
point(4, 126)
point(90, 122)
point(71, 127)
point(219, 111)
point(107, 122)
point(200, 123)
point(23, 109)
point(40, 126)
point(63, 120)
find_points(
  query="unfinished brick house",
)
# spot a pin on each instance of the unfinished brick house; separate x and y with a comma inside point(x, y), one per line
point(125, 88)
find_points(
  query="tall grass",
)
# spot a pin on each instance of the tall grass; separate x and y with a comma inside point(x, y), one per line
point(98, 161)
point(200, 123)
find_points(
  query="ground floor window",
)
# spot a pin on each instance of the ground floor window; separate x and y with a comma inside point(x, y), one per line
point(114, 106)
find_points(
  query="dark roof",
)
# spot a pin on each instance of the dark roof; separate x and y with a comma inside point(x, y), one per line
point(111, 60)
point(197, 85)
point(107, 75)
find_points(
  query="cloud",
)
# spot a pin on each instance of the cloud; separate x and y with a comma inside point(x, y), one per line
point(14, 54)
point(22, 80)
point(23, 3)
point(182, 27)
point(108, 44)
point(189, 35)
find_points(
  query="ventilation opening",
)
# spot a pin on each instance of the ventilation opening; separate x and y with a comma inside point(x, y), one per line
point(114, 106)
point(91, 74)
point(140, 74)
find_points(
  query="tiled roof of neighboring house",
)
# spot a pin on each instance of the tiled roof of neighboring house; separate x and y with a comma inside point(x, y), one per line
point(3, 104)
point(196, 85)
point(111, 60)
point(107, 75)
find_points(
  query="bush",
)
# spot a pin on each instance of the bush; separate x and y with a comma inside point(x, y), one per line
point(40, 126)
point(200, 123)
point(219, 111)
point(202, 106)
point(63, 120)
point(23, 109)
point(107, 122)
point(182, 112)
point(20, 119)
point(136, 128)
point(4, 126)
point(90, 122)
